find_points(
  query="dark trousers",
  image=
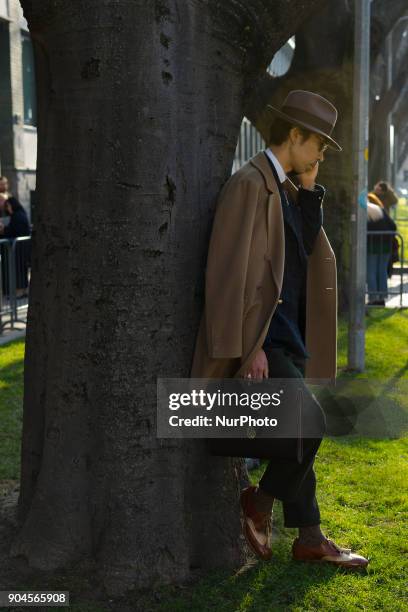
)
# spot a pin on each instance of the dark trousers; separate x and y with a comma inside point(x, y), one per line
point(289, 475)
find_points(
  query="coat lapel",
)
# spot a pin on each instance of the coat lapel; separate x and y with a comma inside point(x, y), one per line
point(261, 162)
point(275, 226)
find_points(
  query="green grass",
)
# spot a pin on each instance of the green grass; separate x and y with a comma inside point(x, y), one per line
point(401, 219)
point(362, 490)
point(11, 408)
point(384, 384)
point(401, 209)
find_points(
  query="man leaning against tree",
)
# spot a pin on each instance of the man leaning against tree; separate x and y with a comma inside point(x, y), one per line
point(271, 312)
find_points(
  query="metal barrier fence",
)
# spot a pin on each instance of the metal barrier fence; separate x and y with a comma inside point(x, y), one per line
point(402, 228)
point(399, 214)
point(384, 249)
point(15, 267)
point(249, 143)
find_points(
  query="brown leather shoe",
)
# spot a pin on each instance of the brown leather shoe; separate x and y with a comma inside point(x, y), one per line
point(328, 552)
point(256, 526)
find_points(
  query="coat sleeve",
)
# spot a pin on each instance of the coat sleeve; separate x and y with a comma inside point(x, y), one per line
point(227, 265)
point(310, 203)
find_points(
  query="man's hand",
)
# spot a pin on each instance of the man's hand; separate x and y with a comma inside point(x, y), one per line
point(259, 366)
point(308, 179)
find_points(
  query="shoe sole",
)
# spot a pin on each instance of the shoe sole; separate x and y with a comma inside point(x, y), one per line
point(353, 566)
point(251, 546)
point(247, 537)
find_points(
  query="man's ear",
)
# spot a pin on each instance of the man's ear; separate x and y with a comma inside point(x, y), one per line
point(294, 135)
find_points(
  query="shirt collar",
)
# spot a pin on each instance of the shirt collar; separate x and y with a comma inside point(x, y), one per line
point(278, 167)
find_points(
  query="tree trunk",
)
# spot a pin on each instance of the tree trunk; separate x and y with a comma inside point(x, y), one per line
point(400, 119)
point(140, 106)
point(391, 100)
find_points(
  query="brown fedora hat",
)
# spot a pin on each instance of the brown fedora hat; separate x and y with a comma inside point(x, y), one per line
point(310, 111)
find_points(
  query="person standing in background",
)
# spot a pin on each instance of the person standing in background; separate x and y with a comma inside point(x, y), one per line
point(18, 226)
point(387, 195)
point(379, 250)
point(4, 194)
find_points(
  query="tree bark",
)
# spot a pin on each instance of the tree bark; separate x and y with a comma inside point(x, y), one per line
point(400, 119)
point(390, 100)
point(402, 152)
point(139, 110)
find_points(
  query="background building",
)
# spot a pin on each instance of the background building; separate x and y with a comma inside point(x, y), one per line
point(18, 131)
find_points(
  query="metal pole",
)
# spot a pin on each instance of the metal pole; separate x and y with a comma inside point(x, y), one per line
point(389, 152)
point(361, 84)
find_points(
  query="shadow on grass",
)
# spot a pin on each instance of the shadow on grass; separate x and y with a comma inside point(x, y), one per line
point(286, 584)
point(11, 415)
point(374, 317)
point(366, 408)
point(383, 314)
point(12, 374)
point(276, 585)
point(397, 376)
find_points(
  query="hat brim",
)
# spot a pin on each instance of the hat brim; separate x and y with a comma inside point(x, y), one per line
point(330, 142)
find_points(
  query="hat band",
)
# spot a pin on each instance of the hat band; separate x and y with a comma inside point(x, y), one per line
point(305, 117)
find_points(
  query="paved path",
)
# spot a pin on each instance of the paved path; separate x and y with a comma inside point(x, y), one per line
point(18, 331)
point(394, 285)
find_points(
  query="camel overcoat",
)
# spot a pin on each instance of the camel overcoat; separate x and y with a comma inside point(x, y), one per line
point(244, 276)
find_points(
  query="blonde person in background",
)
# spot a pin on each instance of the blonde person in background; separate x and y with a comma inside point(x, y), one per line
point(386, 195)
point(4, 194)
point(379, 250)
